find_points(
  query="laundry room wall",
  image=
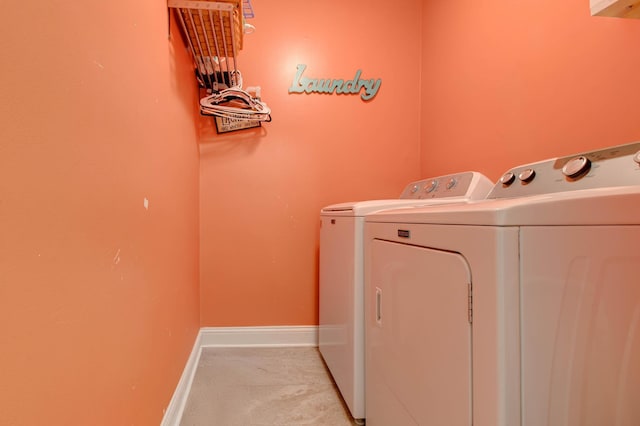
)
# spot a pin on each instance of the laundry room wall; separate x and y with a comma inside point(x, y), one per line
point(261, 190)
point(98, 213)
point(507, 84)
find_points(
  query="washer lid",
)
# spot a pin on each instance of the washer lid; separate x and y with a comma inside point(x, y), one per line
point(600, 206)
point(362, 208)
point(454, 188)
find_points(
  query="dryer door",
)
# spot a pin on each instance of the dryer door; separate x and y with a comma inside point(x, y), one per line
point(418, 337)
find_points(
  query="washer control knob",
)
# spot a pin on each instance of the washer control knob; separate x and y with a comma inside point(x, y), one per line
point(527, 175)
point(576, 167)
point(431, 186)
point(507, 178)
point(452, 183)
point(636, 157)
point(414, 188)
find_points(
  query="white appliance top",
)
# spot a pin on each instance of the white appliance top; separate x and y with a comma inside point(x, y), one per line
point(594, 188)
point(454, 188)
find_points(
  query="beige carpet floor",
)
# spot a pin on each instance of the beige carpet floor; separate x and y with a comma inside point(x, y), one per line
point(264, 386)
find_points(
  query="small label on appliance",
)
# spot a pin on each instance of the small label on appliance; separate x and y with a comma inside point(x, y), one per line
point(404, 233)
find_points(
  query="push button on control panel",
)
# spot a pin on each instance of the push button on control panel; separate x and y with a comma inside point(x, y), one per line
point(507, 178)
point(452, 183)
point(527, 175)
point(431, 186)
point(576, 167)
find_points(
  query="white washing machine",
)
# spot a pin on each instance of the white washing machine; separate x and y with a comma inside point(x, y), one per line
point(522, 309)
point(341, 330)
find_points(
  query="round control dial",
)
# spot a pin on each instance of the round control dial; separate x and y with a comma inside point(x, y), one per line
point(636, 157)
point(576, 167)
point(431, 186)
point(527, 175)
point(452, 183)
point(507, 178)
point(414, 188)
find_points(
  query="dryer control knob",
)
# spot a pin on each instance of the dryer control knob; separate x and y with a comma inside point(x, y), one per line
point(576, 167)
point(527, 175)
point(636, 157)
point(507, 178)
point(452, 183)
point(414, 188)
point(431, 186)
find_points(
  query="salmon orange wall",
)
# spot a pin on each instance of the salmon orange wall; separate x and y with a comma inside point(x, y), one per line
point(98, 213)
point(261, 190)
point(511, 83)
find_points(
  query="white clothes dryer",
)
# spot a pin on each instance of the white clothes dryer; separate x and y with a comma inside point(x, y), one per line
point(521, 309)
point(341, 330)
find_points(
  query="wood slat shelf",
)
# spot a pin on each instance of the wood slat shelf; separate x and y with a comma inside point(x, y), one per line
point(616, 8)
point(216, 26)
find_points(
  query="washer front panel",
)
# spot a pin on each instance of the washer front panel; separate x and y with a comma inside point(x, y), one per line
point(580, 326)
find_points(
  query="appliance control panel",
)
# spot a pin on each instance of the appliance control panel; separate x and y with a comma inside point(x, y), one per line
point(609, 167)
point(455, 185)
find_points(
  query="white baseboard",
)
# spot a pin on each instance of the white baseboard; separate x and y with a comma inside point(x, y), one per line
point(173, 413)
point(276, 336)
point(259, 336)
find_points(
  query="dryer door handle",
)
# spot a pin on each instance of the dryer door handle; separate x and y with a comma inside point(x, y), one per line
point(378, 306)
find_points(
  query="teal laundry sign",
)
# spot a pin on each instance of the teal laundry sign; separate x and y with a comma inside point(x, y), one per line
point(366, 88)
